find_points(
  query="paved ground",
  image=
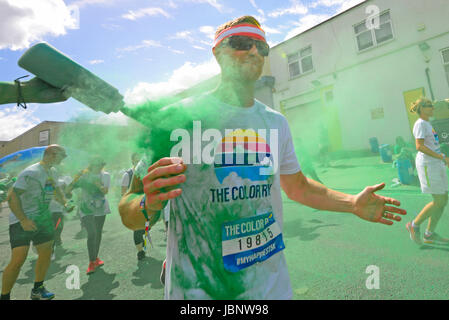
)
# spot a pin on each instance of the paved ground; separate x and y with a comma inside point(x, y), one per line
point(327, 253)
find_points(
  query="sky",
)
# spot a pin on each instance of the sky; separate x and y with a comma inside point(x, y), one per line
point(145, 48)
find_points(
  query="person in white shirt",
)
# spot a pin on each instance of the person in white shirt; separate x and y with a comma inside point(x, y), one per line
point(225, 230)
point(431, 166)
point(94, 184)
point(30, 220)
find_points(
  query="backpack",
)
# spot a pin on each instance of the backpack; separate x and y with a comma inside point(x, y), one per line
point(130, 175)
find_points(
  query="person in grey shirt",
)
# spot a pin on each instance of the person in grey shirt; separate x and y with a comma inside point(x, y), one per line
point(30, 220)
point(94, 183)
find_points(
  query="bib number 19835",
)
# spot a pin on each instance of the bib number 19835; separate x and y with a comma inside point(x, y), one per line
point(250, 240)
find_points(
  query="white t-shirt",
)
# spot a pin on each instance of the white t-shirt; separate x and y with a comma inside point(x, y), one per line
point(424, 130)
point(39, 187)
point(63, 182)
point(225, 230)
point(95, 203)
point(126, 178)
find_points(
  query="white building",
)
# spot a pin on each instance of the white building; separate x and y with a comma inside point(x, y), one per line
point(357, 81)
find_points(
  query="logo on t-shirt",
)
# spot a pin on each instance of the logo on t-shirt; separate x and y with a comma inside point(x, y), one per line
point(244, 153)
point(435, 135)
point(239, 148)
point(49, 190)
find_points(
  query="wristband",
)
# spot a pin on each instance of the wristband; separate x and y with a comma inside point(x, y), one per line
point(147, 223)
point(142, 207)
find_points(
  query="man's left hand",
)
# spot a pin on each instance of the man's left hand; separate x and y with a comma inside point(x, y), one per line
point(372, 207)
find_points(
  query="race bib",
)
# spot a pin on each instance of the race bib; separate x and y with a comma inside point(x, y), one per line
point(250, 240)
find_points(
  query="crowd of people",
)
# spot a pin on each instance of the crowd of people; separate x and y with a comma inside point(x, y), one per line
point(222, 243)
point(41, 196)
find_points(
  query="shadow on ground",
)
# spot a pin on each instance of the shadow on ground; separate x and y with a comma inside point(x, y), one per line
point(54, 269)
point(99, 286)
point(296, 228)
point(148, 272)
point(444, 248)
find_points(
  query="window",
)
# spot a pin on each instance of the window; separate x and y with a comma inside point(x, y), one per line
point(367, 38)
point(44, 138)
point(300, 62)
point(445, 54)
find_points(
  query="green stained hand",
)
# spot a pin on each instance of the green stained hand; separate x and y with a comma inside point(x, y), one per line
point(372, 207)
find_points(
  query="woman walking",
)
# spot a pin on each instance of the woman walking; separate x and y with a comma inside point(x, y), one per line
point(94, 184)
point(431, 166)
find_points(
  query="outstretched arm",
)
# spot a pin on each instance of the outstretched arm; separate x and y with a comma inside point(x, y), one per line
point(366, 205)
point(34, 90)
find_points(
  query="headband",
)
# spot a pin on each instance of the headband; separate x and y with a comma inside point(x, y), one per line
point(248, 30)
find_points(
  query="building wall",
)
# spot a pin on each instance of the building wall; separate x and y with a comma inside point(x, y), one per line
point(30, 138)
point(363, 84)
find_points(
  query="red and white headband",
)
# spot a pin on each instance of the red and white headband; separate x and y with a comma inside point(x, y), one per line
point(244, 29)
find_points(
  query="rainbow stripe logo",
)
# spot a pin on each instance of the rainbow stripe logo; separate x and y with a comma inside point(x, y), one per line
point(244, 153)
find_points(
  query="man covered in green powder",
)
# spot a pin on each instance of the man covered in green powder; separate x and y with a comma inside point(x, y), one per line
point(223, 179)
point(31, 221)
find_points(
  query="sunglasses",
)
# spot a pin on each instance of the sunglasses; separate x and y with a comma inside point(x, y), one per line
point(246, 43)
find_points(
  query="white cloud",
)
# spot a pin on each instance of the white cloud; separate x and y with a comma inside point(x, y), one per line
point(113, 118)
point(295, 9)
point(185, 35)
point(143, 44)
point(261, 14)
point(260, 17)
point(343, 4)
point(348, 4)
point(96, 61)
point(176, 51)
point(192, 37)
point(311, 20)
point(214, 3)
point(111, 26)
point(306, 23)
point(269, 30)
point(83, 3)
point(23, 21)
point(208, 31)
point(134, 15)
point(15, 121)
point(172, 5)
point(273, 43)
point(181, 79)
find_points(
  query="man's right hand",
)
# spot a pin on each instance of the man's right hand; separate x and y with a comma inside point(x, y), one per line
point(28, 225)
point(161, 182)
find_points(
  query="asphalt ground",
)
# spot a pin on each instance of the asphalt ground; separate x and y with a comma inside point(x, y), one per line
point(329, 255)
